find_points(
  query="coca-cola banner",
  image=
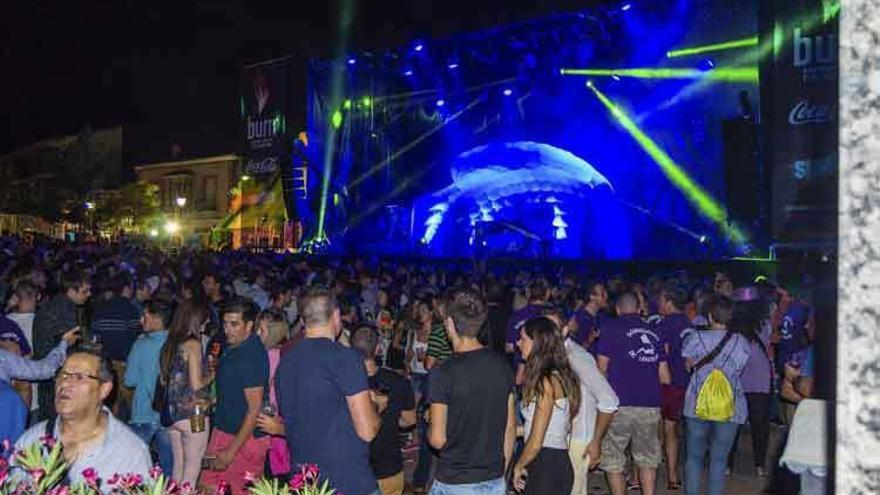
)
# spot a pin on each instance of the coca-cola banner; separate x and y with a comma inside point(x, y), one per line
point(263, 104)
point(799, 115)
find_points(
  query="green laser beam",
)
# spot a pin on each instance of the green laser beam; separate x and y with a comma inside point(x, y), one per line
point(715, 47)
point(728, 74)
point(699, 197)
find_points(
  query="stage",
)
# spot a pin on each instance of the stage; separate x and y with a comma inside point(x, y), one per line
point(599, 134)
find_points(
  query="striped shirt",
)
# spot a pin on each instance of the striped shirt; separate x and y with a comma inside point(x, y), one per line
point(438, 343)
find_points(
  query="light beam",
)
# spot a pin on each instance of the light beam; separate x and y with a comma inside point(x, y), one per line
point(699, 197)
point(726, 74)
point(714, 47)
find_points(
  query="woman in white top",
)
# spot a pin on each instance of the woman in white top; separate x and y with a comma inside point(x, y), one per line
point(551, 398)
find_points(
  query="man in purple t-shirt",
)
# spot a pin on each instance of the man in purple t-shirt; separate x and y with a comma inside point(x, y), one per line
point(672, 331)
point(591, 316)
point(632, 357)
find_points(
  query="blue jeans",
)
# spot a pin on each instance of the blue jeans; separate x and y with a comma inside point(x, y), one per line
point(491, 487)
point(156, 437)
point(718, 439)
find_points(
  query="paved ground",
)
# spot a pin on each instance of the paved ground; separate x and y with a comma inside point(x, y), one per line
point(742, 481)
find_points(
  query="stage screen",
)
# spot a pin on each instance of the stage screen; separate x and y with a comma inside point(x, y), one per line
point(592, 134)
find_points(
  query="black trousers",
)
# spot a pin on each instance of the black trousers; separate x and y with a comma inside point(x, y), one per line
point(759, 420)
point(550, 473)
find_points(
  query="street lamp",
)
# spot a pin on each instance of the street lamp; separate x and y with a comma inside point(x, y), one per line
point(181, 201)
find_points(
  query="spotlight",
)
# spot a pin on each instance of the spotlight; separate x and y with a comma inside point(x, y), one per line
point(626, 7)
point(419, 46)
point(245, 178)
point(589, 83)
point(89, 205)
point(704, 239)
point(408, 72)
point(154, 232)
point(615, 77)
point(452, 66)
point(171, 227)
point(440, 103)
point(352, 61)
point(508, 92)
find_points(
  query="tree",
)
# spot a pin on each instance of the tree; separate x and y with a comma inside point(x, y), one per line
point(134, 206)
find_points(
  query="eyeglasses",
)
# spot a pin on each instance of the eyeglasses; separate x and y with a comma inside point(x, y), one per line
point(77, 377)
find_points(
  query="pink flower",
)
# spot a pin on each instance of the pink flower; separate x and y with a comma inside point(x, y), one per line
point(223, 488)
point(297, 482)
point(311, 472)
point(114, 479)
point(58, 490)
point(172, 487)
point(48, 441)
point(155, 472)
point(37, 475)
point(91, 477)
point(3, 475)
point(132, 480)
point(249, 477)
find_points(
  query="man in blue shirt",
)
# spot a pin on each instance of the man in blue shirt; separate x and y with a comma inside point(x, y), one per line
point(14, 417)
point(330, 414)
point(141, 370)
point(116, 323)
point(236, 446)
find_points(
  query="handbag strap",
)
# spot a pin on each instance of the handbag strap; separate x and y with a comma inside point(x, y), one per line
point(714, 353)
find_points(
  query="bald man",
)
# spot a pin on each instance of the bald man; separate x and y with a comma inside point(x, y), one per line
point(632, 357)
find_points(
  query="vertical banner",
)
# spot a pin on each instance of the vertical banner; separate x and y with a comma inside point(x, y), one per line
point(799, 114)
point(263, 105)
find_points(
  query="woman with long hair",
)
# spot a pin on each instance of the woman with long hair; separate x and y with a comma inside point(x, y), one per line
point(551, 398)
point(185, 378)
point(273, 330)
point(751, 319)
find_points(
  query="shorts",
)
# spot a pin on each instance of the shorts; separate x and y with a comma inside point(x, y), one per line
point(250, 458)
point(672, 402)
point(638, 428)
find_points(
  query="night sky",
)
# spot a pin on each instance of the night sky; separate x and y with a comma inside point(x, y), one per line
point(169, 70)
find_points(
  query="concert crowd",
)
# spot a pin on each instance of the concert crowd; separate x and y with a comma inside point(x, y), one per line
point(394, 376)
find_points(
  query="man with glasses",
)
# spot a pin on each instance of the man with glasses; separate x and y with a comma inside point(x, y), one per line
point(89, 433)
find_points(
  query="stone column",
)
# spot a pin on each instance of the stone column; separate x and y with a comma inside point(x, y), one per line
point(858, 355)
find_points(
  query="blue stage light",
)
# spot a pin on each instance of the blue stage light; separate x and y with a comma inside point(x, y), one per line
point(452, 65)
point(419, 46)
point(626, 7)
point(508, 92)
point(440, 103)
point(408, 72)
point(352, 61)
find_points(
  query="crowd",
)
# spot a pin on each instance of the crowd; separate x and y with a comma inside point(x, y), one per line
point(219, 366)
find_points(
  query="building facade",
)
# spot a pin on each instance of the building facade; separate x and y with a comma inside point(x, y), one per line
point(193, 191)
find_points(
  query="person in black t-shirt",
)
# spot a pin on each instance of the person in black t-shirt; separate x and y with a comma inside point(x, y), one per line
point(471, 416)
point(385, 456)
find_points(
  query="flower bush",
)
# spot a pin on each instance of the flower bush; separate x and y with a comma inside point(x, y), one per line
point(43, 468)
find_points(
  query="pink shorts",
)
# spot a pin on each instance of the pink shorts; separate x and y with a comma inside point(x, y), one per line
point(250, 458)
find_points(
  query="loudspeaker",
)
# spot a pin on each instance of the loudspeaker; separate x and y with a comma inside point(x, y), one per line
point(743, 181)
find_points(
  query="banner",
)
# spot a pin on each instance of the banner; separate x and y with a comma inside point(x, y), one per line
point(799, 74)
point(264, 126)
